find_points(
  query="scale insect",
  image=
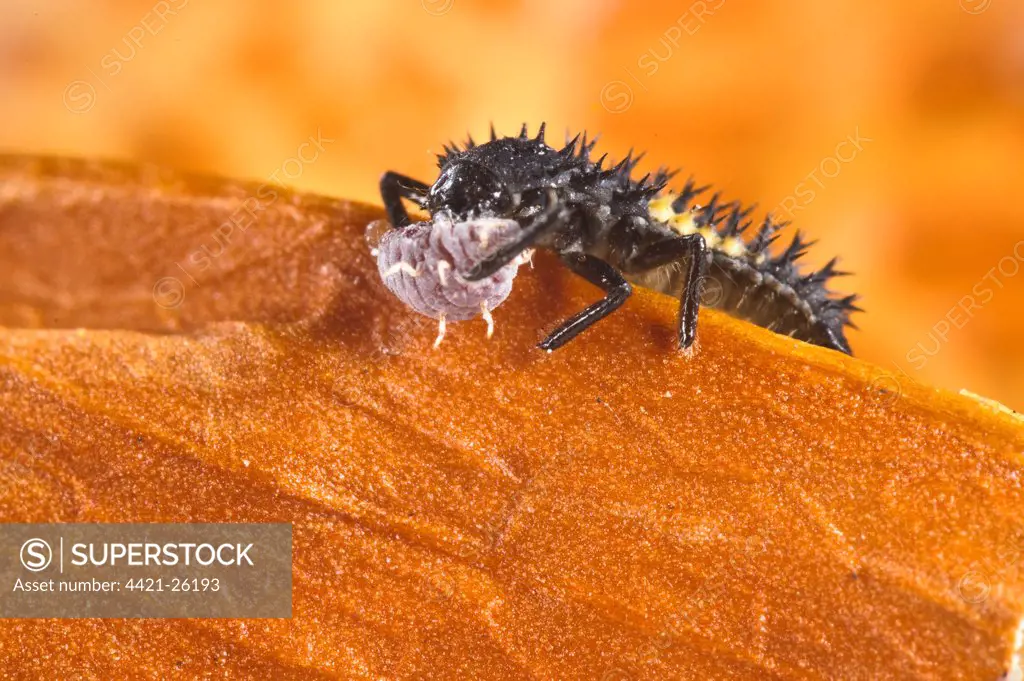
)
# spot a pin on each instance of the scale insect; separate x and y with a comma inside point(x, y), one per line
point(611, 230)
point(422, 265)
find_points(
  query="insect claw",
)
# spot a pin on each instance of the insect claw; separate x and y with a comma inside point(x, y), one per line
point(440, 331)
point(486, 314)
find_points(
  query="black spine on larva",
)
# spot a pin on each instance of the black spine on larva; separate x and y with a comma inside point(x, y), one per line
point(494, 177)
point(519, 166)
point(832, 314)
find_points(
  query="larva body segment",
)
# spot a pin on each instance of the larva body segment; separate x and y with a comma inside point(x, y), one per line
point(421, 265)
point(617, 232)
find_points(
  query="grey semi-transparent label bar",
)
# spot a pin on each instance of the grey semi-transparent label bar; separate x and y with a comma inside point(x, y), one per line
point(146, 570)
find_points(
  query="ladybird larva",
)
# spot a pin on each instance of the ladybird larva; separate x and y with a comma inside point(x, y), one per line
point(616, 232)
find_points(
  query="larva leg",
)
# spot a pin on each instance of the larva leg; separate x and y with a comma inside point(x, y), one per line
point(394, 188)
point(692, 249)
point(550, 219)
point(601, 274)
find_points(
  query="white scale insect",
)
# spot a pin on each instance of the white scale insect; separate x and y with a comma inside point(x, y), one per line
point(421, 265)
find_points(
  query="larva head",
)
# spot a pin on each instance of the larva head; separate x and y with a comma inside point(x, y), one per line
point(498, 177)
point(467, 188)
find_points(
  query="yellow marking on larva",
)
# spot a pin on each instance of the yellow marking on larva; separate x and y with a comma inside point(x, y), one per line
point(711, 237)
point(682, 223)
point(660, 209)
point(733, 246)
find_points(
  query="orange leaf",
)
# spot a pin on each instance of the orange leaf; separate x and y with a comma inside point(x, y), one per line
point(614, 510)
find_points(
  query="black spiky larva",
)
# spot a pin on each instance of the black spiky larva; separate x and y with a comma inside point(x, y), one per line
point(614, 231)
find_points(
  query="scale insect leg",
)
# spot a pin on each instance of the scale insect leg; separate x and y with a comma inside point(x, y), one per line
point(395, 187)
point(691, 248)
point(598, 273)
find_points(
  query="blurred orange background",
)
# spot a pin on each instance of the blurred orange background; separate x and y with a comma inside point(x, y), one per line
point(892, 132)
